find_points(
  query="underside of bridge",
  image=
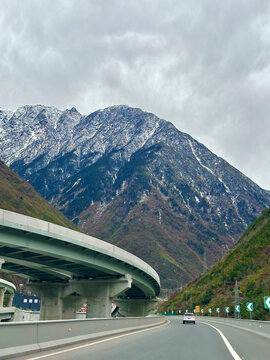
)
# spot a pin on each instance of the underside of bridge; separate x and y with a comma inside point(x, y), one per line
point(67, 269)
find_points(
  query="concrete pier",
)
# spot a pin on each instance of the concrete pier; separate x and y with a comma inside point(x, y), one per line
point(10, 298)
point(71, 305)
point(51, 304)
point(62, 300)
point(2, 295)
point(135, 307)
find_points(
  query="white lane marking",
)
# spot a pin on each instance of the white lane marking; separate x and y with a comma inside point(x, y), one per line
point(267, 336)
point(230, 348)
point(97, 342)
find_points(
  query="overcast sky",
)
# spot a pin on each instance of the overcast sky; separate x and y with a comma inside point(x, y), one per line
point(203, 65)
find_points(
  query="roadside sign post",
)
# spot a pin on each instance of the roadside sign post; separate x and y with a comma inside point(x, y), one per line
point(179, 312)
point(218, 311)
point(237, 311)
point(210, 311)
point(227, 310)
point(202, 311)
point(249, 309)
point(267, 302)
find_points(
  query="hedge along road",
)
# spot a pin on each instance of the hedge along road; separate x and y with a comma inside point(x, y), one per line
point(174, 341)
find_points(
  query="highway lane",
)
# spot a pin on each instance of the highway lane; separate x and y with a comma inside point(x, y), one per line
point(173, 341)
point(248, 345)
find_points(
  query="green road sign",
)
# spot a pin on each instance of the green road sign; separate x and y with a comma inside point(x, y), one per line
point(179, 311)
point(237, 308)
point(267, 302)
point(201, 310)
point(227, 310)
point(186, 310)
point(249, 306)
point(218, 310)
point(210, 310)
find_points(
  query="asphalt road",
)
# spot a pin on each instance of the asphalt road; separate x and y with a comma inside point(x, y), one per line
point(173, 341)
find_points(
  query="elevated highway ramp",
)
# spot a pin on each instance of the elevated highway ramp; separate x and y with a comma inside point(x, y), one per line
point(67, 268)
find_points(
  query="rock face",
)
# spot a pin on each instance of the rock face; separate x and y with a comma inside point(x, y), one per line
point(133, 179)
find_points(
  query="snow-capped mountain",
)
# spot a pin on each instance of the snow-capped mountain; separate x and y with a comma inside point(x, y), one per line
point(133, 179)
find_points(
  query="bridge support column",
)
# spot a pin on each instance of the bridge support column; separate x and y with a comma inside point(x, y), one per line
point(51, 308)
point(2, 261)
point(71, 305)
point(99, 307)
point(135, 307)
point(62, 300)
point(10, 300)
point(51, 304)
point(2, 295)
point(99, 293)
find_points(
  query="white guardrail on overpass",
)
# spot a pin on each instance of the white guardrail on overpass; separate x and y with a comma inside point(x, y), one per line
point(22, 338)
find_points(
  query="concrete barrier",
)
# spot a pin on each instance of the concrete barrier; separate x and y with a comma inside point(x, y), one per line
point(80, 315)
point(22, 338)
point(6, 313)
point(26, 315)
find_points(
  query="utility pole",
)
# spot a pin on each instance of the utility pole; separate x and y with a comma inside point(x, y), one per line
point(204, 263)
point(237, 314)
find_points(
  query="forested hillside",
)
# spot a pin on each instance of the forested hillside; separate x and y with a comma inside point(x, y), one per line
point(248, 262)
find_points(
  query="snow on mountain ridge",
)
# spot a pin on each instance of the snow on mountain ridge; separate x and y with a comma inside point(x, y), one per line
point(46, 131)
point(123, 166)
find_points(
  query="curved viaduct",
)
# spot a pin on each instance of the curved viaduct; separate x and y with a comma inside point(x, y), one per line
point(67, 268)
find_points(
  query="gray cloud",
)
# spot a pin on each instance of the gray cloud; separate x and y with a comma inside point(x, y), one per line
point(204, 65)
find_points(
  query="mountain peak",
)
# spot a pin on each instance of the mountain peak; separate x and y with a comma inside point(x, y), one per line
point(73, 110)
point(118, 107)
point(126, 109)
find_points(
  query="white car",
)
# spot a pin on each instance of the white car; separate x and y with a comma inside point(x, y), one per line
point(189, 318)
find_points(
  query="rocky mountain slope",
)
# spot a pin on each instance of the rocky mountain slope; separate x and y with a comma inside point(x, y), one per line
point(247, 262)
point(130, 178)
point(19, 196)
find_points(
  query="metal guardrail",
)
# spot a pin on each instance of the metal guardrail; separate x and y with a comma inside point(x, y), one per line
point(21, 338)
